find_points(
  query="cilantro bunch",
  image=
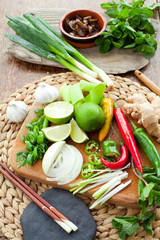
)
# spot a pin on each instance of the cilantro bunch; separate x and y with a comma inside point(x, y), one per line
point(149, 199)
point(35, 141)
point(130, 27)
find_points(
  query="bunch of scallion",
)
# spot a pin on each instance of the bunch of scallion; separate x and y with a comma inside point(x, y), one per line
point(107, 181)
point(39, 37)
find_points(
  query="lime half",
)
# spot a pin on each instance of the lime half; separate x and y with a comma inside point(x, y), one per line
point(57, 133)
point(59, 112)
point(77, 134)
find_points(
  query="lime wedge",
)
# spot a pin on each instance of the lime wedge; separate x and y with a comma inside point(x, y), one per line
point(59, 112)
point(57, 133)
point(77, 134)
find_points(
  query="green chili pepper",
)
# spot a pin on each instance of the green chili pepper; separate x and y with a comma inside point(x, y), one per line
point(87, 170)
point(95, 159)
point(148, 148)
point(110, 148)
point(91, 147)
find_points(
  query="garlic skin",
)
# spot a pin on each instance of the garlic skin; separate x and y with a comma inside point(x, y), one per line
point(16, 111)
point(46, 93)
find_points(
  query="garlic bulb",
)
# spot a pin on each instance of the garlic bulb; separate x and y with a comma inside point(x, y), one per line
point(46, 93)
point(16, 111)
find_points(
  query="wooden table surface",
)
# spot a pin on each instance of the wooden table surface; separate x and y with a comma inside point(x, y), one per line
point(14, 74)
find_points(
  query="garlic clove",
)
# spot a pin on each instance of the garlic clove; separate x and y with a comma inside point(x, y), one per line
point(16, 111)
point(46, 93)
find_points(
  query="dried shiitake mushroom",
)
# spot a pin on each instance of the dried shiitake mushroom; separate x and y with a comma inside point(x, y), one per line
point(82, 26)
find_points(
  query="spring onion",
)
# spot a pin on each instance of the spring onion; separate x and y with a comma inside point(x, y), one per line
point(40, 38)
point(110, 194)
point(107, 179)
point(79, 56)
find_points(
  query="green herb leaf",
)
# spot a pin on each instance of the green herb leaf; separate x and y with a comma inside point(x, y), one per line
point(130, 22)
point(126, 225)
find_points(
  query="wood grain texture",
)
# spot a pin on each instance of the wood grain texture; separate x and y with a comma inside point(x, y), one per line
point(14, 73)
point(127, 197)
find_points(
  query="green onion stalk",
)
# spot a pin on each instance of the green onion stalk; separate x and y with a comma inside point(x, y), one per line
point(39, 37)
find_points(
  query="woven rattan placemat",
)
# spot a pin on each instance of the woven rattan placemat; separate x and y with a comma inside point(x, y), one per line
point(13, 201)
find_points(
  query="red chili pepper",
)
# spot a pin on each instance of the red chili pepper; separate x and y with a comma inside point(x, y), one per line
point(120, 163)
point(127, 135)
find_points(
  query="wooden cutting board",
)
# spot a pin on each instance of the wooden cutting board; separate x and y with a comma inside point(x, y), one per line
point(127, 197)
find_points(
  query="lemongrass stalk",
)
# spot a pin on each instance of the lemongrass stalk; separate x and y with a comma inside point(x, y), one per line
point(115, 191)
point(106, 186)
point(79, 56)
point(100, 198)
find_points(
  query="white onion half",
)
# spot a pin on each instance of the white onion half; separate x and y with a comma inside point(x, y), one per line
point(51, 155)
point(68, 168)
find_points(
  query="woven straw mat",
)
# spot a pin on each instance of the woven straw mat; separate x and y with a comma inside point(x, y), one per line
point(13, 201)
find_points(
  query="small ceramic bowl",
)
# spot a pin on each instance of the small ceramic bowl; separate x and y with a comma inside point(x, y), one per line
point(82, 42)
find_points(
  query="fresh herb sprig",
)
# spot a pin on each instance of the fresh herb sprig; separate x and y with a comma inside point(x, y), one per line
point(130, 27)
point(149, 192)
point(36, 143)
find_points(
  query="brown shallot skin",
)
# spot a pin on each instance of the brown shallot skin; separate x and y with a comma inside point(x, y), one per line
point(82, 26)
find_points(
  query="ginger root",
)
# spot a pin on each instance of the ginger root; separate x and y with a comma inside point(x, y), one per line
point(146, 111)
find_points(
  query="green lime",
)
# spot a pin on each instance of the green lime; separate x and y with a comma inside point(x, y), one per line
point(57, 133)
point(59, 112)
point(89, 116)
point(77, 134)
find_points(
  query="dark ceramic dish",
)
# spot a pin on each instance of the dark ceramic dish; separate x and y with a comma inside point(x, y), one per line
point(82, 42)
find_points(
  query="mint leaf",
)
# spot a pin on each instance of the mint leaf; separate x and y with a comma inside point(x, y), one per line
point(148, 218)
point(126, 225)
point(132, 23)
point(122, 235)
point(147, 189)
